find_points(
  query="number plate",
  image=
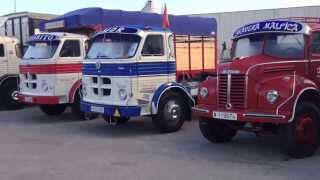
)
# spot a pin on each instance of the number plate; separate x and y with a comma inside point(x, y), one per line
point(28, 99)
point(225, 116)
point(97, 109)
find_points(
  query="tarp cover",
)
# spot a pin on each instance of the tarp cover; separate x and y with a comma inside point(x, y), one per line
point(92, 17)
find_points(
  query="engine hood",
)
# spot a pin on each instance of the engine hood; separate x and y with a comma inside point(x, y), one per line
point(241, 66)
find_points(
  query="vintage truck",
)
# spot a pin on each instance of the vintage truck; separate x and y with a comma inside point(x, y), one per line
point(271, 84)
point(50, 72)
point(133, 71)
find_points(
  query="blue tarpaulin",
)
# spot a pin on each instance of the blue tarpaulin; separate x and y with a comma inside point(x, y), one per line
point(93, 17)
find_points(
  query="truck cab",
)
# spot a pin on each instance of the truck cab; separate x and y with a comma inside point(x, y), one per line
point(271, 84)
point(131, 71)
point(9, 72)
point(50, 72)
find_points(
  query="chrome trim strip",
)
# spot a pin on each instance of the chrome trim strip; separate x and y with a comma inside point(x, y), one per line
point(229, 89)
point(200, 110)
point(264, 115)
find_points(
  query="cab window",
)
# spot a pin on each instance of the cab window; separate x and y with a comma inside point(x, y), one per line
point(2, 50)
point(315, 45)
point(153, 46)
point(70, 48)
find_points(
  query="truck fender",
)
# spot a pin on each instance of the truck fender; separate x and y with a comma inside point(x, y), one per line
point(166, 88)
point(300, 96)
point(8, 77)
point(73, 90)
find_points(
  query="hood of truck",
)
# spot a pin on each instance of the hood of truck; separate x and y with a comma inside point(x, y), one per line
point(241, 66)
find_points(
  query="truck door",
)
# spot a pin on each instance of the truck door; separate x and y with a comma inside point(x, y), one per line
point(314, 52)
point(152, 67)
point(3, 60)
point(70, 57)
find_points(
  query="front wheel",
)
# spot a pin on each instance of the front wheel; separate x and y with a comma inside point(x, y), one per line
point(172, 112)
point(216, 131)
point(10, 96)
point(53, 110)
point(302, 135)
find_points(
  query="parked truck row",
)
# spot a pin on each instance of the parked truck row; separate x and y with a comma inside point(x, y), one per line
point(268, 84)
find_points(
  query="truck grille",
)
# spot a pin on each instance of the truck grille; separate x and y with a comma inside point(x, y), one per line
point(30, 81)
point(100, 86)
point(236, 96)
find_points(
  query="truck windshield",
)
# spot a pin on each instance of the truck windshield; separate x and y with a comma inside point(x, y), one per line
point(286, 46)
point(114, 46)
point(41, 50)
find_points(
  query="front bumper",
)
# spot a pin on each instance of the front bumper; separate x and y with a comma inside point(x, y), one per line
point(110, 110)
point(40, 100)
point(207, 112)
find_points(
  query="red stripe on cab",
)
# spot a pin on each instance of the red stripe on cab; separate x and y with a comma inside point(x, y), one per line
point(51, 68)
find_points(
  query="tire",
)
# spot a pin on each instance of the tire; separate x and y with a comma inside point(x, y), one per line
point(10, 96)
point(53, 110)
point(216, 131)
point(75, 107)
point(172, 112)
point(117, 120)
point(301, 137)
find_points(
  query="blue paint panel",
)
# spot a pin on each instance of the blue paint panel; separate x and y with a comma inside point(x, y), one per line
point(269, 26)
point(130, 69)
point(125, 111)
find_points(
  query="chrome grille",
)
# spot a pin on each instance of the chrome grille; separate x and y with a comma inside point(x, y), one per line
point(100, 86)
point(30, 81)
point(232, 90)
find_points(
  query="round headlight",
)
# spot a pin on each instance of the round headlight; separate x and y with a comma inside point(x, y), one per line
point(123, 94)
point(272, 96)
point(204, 92)
point(44, 86)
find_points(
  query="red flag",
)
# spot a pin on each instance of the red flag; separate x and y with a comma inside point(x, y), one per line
point(165, 18)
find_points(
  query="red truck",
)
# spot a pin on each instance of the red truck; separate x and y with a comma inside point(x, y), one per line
point(270, 84)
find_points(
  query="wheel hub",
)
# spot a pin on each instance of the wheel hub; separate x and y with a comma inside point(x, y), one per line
point(14, 95)
point(173, 111)
point(307, 130)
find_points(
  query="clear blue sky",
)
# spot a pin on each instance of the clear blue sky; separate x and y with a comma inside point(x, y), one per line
point(174, 6)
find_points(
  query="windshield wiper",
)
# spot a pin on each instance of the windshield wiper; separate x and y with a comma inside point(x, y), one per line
point(103, 57)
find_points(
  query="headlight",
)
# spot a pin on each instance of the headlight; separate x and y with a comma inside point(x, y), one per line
point(123, 94)
point(204, 92)
point(272, 96)
point(44, 86)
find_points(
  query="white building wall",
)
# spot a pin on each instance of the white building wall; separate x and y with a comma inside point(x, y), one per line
point(228, 22)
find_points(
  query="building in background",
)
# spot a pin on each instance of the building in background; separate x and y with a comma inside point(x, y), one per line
point(22, 25)
point(228, 22)
point(152, 6)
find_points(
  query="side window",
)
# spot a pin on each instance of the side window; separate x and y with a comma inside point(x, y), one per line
point(315, 45)
point(153, 46)
point(70, 48)
point(2, 50)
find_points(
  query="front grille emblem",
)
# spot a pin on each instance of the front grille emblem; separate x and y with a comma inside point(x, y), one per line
point(228, 106)
point(98, 65)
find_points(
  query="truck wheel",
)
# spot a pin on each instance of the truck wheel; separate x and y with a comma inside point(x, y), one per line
point(75, 107)
point(10, 96)
point(302, 135)
point(172, 112)
point(53, 110)
point(216, 131)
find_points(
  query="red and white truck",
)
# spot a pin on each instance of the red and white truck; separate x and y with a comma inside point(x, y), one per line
point(50, 72)
point(271, 84)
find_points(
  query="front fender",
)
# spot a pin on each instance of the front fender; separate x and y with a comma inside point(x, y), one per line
point(161, 90)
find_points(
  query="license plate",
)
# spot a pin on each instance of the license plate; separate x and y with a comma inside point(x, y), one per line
point(97, 109)
point(225, 116)
point(28, 99)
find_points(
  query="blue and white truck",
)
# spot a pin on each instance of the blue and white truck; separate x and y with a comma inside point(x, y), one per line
point(133, 71)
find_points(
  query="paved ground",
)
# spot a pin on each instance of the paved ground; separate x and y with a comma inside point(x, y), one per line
point(36, 147)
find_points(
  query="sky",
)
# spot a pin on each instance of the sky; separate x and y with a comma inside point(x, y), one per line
point(174, 6)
